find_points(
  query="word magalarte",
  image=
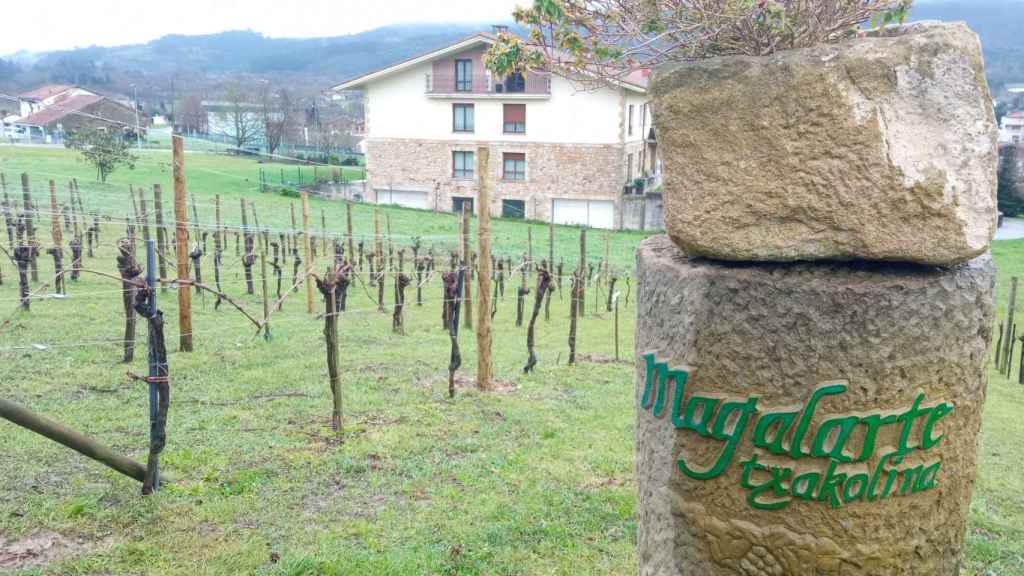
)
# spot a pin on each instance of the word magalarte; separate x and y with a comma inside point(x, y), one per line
point(772, 486)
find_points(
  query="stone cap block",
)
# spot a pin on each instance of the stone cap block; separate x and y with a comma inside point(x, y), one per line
point(881, 147)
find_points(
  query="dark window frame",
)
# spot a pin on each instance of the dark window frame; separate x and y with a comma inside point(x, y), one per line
point(629, 125)
point(518, 172)
point(518, 211)
point(472, 118)
point(464, 173)
point(463, 75)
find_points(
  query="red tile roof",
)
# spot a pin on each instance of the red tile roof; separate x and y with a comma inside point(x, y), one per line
point(55, 112)
point(44, 92)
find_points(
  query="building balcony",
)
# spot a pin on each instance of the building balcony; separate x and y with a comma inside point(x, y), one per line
point(533, 86)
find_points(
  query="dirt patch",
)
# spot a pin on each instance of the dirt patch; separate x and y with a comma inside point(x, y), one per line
point(37, 549)
point(468, 382)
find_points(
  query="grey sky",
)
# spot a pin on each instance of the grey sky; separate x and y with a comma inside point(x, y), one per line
point(59, 24)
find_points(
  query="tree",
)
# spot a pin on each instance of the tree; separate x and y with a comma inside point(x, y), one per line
point(239, 117)
point(610, 39)
point(276, 114)
point(190, 117)
point(1008, 189)
point(106, 150)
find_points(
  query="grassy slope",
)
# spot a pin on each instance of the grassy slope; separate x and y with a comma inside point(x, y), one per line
point(535, 481)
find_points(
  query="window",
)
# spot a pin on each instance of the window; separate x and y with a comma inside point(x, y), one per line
point(462, 164)
point(515, 82)
point(629, 125)
point(629, 168)
point(462, 118)
point(463, 75)
point(515, 166)
point(459, 201)
point(513, 209)
point(515, 118)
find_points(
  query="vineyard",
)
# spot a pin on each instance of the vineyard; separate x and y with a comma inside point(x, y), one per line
point(425, 473)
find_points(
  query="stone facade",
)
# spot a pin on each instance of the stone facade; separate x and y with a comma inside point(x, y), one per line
point(574, 171)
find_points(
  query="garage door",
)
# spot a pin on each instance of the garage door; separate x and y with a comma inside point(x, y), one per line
point(592, 213)
point(407, 198)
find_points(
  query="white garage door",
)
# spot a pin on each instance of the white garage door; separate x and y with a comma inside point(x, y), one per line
point(407, 198)
point(592, 213)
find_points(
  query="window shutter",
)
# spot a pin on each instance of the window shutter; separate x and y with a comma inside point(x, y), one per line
point(515, 113)
point(515, 156)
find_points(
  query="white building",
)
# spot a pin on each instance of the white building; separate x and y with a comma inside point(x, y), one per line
point(1011, 129)
point(556, 150)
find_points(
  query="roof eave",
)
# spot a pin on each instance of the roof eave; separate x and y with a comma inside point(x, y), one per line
point(361, 81)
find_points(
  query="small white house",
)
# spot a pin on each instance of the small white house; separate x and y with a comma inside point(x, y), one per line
point(1011, 129)
point(557, 151)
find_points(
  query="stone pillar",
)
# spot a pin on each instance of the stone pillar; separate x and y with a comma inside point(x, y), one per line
point(807, 418)
point(813, 332)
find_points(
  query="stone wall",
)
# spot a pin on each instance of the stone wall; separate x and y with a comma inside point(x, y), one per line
point(643, 212)
point(577, 171)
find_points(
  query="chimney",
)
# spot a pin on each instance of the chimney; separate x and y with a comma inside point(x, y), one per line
point(499, 29)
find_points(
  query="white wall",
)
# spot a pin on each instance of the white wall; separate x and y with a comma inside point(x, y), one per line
point(397, 107)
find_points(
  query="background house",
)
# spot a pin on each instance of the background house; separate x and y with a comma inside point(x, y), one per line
point(47, 113)
point(557, 152)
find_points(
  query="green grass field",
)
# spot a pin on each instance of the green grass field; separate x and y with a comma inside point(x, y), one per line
point(537, 478)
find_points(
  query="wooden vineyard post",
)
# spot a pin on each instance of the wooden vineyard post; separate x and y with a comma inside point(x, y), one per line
point(161, 233)
point(307, 254)
point(551, 264)
point(484, 365)
point(582, 277)
point(377, 259)
point(574, 305)
point(78, 442)
point(323, 231)
point(266, 303)
point(529, 247)
point(615, 301)
point(8, 213)
point(57, 251)
point(181, 246)
point(30, 227)
point(348, 218)
point(218, 248)
point(467, 263)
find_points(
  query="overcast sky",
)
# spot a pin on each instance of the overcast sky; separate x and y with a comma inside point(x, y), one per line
point(59, 24)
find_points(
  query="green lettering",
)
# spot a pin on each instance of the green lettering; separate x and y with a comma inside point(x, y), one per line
point(928, 478)
point(938, 413)
point(859, 480)
point(731, 438)
point(774, 484)
point(707, 406)
point(764, 425)
point(907, 419)
point(844, 427)
point(873, 423)
point(796, 448)
point(803, 485)
point(897, 458)
point(909, 479)
point(830, 487)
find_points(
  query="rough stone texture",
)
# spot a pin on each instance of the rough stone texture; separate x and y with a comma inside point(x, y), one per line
point(777, 331)
point(878, 148)
point(593, 172)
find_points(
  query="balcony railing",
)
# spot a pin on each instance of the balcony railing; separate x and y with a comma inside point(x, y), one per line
point(486, 84)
